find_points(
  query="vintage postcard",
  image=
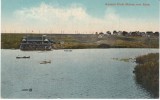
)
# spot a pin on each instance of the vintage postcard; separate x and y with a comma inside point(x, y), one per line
point(80, 49)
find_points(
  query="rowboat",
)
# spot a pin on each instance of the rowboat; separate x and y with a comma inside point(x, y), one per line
point(45, 62)
point(23, 57)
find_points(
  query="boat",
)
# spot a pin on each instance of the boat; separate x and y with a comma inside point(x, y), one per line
point(23, 57)
point(26, 57)
point(45, 62)
point(68, 50)
point(30, 89)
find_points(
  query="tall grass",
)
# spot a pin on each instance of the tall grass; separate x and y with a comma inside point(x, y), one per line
point(147, 73)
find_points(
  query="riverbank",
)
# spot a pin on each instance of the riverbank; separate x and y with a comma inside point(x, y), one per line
point(147, 73)
point(83, 41)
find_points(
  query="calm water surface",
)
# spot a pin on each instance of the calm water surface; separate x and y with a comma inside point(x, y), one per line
point(82, 73)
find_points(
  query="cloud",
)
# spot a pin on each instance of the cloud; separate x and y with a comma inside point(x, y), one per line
point(47, 13)
point(73, 18)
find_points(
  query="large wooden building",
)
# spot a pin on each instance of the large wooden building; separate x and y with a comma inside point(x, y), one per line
point(36, 43)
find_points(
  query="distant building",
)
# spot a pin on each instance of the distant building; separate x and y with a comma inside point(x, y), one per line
point(149, 33)
point(134, 33)
point(100, 36)
point(156, 34)
point(36, 43)
point(119, 33)
point(143, 34)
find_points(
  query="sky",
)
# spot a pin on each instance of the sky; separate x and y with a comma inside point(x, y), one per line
point(79, 16)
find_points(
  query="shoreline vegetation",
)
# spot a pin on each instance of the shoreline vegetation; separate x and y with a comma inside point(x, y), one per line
point(82, 41)
point(147, 73)
point(124, 59)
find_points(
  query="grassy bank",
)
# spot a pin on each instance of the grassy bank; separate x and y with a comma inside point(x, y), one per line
point(81, 41)
point(147, 73)
point(9, 41)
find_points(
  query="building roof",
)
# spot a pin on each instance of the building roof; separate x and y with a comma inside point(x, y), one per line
point(35, 39)
point(24, 39)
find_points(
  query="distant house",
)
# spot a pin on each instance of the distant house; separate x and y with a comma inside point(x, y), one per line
point(134, 33)
point(149, 33)
point(100, 36)
point(156, 34)
point(119, 33)
point(143, 34)
point(139, 33)
point(36, 43)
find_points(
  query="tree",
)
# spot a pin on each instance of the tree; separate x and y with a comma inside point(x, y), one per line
point(114, 32)
point(124, 33)
point(108, 32)
point(101, 33)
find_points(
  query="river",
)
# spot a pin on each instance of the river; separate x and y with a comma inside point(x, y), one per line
point(80, 73)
